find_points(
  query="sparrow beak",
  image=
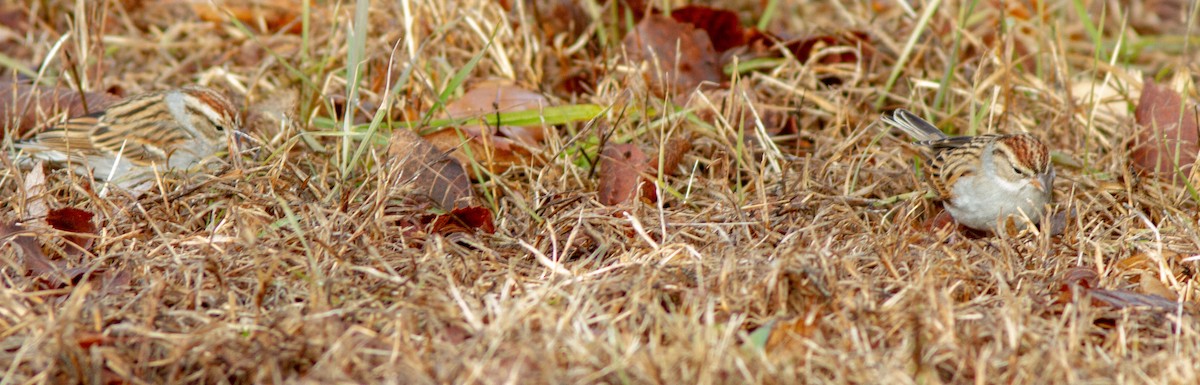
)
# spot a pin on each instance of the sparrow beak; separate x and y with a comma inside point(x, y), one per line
point(1044, 182)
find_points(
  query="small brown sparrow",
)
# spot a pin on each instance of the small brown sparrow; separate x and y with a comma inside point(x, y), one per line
point(986, 180)
point(174, 129)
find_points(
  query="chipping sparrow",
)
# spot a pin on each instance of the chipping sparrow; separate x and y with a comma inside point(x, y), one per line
point(984, 180)
point(173, 129)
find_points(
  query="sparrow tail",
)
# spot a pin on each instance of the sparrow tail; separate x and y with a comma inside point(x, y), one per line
point(913, 125)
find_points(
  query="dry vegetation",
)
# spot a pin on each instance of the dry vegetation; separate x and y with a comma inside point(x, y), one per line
point(800, 250)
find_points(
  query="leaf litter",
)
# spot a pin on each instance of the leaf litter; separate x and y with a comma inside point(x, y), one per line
point(452, 258)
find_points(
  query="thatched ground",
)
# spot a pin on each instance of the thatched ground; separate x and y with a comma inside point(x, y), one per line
point(801, 251)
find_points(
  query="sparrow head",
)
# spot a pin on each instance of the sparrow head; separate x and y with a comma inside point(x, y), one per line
point(211, 115)
point(1024, 158)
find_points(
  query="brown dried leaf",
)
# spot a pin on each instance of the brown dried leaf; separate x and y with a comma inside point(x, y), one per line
point(1080, 276)
point(1166, 139)
point(1079, 283)
point(554, 17)
point(1059, 221)
point(15, 18)
point(1149, 284)
point(87, 339)
point(435, 174)
point(621, 169)
point(35, 192)
point(25, 106)
point(657, 40)
point(672, 155)
point(31, 251)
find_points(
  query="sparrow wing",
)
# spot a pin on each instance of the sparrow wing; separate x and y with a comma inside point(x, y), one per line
point(94, 135)
point(64, 141)
point(953, 158)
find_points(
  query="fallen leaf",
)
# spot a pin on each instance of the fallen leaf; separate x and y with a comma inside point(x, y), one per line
point(621, 169)
point(553, 17)
point(942, 221)
point(678, 57)
point(1060, 220)
point(1166, 139)
point(495, 153)
point(805, 48)
point(267, 15)
point(789, 336)
point(493, 97)
point(455, 334)
point(31, 252)
point(723, 26)
point(25, 106)
point(87, 339)
point(73, 220)
point(671, 156)
point(15, 19)
point(1080, 276)
point(1149, 284)
point(464, 220)
point(35, 192)
point(435, 174)
point(1080, 283)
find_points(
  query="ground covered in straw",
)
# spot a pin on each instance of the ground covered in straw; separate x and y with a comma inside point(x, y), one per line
point(782, 234)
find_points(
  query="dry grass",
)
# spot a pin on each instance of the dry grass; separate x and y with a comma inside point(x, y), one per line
point(289, 267)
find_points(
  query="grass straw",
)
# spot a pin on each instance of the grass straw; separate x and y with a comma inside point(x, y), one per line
point(902, 61)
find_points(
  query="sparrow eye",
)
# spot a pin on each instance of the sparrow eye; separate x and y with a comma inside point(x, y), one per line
point(1018, 171)
point(220, 128)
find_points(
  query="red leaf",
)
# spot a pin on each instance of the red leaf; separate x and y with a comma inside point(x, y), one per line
point(87, 339)
point(1166, 134)
point(723, 27)
point(73, 220)
point(804, 48)
point(621, 168)
point(464, 220)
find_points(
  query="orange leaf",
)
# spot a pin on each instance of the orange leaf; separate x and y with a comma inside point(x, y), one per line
point(496, 153)
point(491, 98)
point(274, 15)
